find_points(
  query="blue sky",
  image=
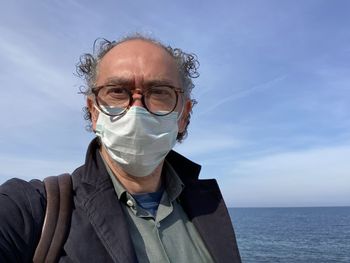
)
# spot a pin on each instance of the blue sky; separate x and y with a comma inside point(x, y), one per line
point(273, 120)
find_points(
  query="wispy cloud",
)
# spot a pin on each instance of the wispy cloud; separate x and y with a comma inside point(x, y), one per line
point(237, 94)
point(208, 144)
point(35, 71)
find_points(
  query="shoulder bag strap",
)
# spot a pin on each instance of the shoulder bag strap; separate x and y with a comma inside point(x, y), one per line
point(57, 218)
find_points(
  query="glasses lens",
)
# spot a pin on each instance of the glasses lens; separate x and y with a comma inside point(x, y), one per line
point(160, 100)
point(113, 100)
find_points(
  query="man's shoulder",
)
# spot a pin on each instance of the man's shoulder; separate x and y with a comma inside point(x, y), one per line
point(22, 211)
point(23, 194)
point(20, 188)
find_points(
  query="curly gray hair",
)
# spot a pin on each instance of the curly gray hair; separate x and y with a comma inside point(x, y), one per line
point(87, 69)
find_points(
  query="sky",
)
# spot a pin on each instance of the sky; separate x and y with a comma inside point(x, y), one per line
point(272, 123)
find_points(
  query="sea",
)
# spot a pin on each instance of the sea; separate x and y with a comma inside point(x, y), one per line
point(303, 234)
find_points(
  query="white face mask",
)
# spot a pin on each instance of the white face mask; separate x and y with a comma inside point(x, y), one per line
point(138, 140)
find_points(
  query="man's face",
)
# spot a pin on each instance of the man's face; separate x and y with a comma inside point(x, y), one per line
point(138, 63)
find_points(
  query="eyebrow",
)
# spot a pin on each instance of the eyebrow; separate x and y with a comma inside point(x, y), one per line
point(119, 81)
point(131, 82)
point(158, 82)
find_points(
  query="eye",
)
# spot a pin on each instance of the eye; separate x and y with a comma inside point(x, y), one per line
point(161, 91)
point(116, 92)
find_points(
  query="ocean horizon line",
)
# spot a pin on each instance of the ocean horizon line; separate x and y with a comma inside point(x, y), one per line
point(282, 207)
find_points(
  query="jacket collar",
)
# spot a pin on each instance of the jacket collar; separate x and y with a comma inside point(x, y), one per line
point(187, 170)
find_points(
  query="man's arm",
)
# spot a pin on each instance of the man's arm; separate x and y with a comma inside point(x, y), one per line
point(22, 211)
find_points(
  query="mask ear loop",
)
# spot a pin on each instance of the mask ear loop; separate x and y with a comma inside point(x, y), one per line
point(99, 112)
point(95, 106)
point(182, 109)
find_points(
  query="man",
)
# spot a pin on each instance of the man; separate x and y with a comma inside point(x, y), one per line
point(135, 200)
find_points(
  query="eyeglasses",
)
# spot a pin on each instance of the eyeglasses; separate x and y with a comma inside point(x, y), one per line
point(115, 100)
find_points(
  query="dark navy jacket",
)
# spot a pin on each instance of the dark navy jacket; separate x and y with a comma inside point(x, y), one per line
point(99, 231)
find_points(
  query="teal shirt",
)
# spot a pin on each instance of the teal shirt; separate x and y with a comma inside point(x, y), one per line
point(169, 236)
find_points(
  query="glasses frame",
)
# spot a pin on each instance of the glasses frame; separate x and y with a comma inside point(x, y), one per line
point(97, 89)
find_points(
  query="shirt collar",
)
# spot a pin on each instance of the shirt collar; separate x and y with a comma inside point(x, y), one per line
point(173, 183)
point(118, 187)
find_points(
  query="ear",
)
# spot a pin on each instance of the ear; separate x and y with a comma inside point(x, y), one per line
point(185, 114)
point(93, 111)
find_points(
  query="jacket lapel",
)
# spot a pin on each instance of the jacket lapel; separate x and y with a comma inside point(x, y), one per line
point(107, 218)
point(205, 207)
point(100, 202)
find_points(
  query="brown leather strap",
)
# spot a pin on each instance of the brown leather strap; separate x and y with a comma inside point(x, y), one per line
point(57, 218)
